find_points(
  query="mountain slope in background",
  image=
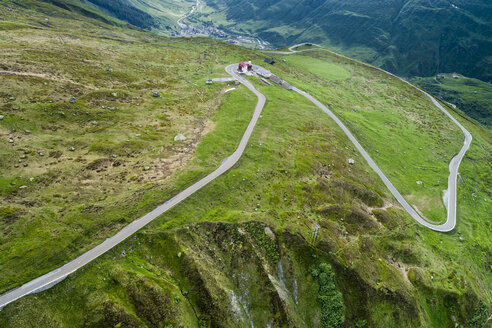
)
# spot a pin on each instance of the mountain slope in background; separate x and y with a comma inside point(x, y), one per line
point(240, 252)
point(407, 37)
point(157, 15)
point(68, 7)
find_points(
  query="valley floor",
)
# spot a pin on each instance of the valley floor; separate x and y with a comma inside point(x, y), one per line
point(290, 235)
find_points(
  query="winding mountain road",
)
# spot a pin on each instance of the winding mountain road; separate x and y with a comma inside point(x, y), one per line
point(51, 278)
point(454, 164)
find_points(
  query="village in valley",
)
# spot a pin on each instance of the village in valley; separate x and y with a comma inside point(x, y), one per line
point(187, 28)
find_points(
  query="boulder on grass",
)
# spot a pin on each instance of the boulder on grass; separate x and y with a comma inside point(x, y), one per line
point(179, 137)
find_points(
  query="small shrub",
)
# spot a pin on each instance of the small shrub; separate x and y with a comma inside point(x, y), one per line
point(323, 279)
point(329, 298)
point(103, 146)
point(7, 214)
point(258, 232)
point(360, 323)
point(325, 267)
point(411, 275)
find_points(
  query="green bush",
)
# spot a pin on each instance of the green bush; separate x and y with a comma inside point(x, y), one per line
point(480, 316)
point(329, 298)
point(7, 213)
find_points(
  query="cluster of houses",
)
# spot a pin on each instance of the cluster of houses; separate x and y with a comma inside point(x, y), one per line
point(246, 67)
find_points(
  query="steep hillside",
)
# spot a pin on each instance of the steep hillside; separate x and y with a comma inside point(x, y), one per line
point(166, 12)
point(241, 251)
point(160, 16)
point(76, 170)
point(407, 37)
point(122, 9)
point(472, 96)
point(69, 6)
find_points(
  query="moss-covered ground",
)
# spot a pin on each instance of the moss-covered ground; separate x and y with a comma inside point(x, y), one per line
point(472, 96)
point(242, 249)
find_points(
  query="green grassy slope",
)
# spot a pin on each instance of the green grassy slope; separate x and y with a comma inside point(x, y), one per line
point(240, 250)
point(70, 6)
point(159, 16)
point(472, 96)
point(383, 260)
point(386, 119)
point(56, 201)
point(407, 37)
point(166, 12)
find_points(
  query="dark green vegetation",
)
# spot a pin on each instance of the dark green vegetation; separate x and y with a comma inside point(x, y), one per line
point(240, 250)
point(123, 10)
point(160, 16)
point(73, 6)
point(209, 274)
point(472, 96)
point(329, 298)
point(406, 37)
point(157, 15)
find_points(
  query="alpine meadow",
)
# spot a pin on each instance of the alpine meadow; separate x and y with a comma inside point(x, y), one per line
point(245, 163)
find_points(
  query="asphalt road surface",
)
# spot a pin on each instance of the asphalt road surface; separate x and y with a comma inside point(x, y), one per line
point(451, 200)
point(51, 278)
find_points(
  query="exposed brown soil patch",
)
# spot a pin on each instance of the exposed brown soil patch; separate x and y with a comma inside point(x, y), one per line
point(165, 167)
